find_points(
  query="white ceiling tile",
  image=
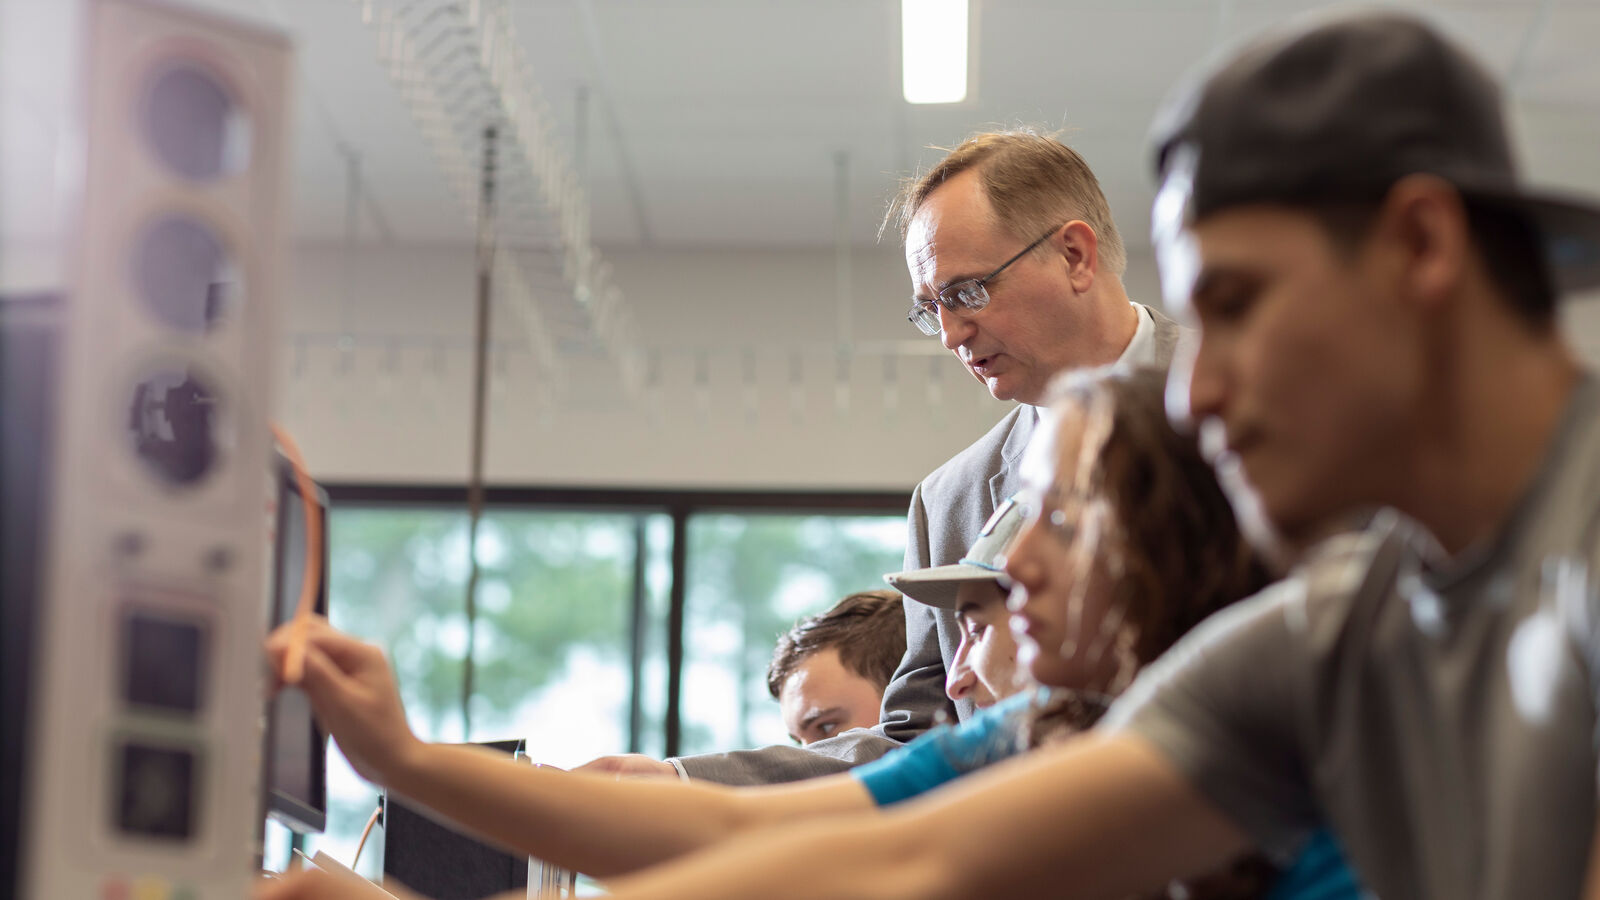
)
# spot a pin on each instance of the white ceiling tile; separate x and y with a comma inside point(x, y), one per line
point(716, 121)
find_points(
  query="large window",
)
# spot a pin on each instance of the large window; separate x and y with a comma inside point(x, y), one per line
point(750, 577)
point(592, 632)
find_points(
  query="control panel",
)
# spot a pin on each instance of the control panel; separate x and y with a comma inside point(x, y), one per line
point(143, 759)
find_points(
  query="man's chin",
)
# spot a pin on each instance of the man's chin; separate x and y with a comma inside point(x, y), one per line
point(1283, 532)
point(1258, 519)
point(1296, 532)
point(1008, 391)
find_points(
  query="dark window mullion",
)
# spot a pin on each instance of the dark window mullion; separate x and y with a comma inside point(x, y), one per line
point(637, 638)
point(680, 586)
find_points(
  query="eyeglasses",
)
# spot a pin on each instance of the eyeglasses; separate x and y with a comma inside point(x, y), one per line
point(968, 296)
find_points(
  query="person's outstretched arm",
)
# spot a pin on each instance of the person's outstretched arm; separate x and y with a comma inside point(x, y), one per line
point(588, 823)
point(595, 824)
point(1100, 817)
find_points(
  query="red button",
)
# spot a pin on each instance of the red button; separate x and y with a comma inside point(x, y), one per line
point(114, 889)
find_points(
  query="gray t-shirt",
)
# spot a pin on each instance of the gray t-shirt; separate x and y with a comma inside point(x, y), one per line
point(1438, 714)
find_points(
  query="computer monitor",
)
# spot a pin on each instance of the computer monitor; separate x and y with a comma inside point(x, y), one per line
point(435, 860)
point(29, 399)
point(295, 757)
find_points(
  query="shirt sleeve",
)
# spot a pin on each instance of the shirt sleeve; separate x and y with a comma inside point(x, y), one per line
point(782, 763)
point(1222, 706)
point(1318, 873)
point(946, 753)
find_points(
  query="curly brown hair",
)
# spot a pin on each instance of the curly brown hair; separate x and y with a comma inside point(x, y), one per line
point(1182, 555)
point(1180, 551)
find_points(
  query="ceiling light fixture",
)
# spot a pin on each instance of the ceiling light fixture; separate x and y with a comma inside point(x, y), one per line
point(933, 50)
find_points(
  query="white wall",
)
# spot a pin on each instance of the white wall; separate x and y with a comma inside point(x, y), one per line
point(396, 408)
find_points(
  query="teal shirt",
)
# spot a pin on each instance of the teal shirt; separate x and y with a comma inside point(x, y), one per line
point(946, 753)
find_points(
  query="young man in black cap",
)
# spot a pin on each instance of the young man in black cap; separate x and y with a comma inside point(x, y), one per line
point(1376, 299)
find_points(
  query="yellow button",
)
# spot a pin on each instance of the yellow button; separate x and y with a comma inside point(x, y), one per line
point(150, 888)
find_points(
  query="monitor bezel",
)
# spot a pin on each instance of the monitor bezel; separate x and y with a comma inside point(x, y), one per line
point(293, 812)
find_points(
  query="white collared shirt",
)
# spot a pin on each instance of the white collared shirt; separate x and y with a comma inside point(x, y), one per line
point(1141, 350)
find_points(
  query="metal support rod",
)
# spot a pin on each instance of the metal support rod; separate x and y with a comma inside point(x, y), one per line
point(841, 247)
point(1224, 22)
point(1517, 76)
point(580, 135)
point(480, 379)
point(352, 227)
point(619, 145)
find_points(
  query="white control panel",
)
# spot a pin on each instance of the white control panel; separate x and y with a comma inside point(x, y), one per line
point(144, 757)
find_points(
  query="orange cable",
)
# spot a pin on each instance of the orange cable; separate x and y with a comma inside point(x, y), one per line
point(295, 660)
point(373, 820)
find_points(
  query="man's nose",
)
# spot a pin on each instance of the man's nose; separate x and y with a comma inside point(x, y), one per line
point(954, 329)
point(961, 679)
point(1197, 386)
point(961, 682)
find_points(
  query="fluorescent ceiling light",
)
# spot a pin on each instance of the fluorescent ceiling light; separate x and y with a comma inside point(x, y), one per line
point(933, 50)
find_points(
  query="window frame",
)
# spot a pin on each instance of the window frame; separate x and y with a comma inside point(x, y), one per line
point(679, 504)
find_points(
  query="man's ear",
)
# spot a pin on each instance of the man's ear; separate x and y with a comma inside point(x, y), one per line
point(1425, 221)
point(1079, 246)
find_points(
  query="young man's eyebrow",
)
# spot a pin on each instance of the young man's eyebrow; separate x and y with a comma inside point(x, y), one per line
point(1218, 277)
point(1205, 281)
point(812, 717)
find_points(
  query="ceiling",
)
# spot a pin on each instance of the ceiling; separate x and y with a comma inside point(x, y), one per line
point(720, 123)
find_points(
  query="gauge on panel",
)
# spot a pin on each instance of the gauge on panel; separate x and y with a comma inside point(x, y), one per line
point(176, 424)
point(157, 790)
point(164, 662)
point(185, 274)
point(193, 123)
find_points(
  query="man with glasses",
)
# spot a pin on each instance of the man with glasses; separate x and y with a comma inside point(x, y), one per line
point(1017, 267)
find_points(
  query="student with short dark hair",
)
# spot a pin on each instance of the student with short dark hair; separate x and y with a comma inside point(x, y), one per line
point(828, 672)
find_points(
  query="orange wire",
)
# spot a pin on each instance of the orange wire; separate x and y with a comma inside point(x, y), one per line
point(373, 820)
point(294, 662)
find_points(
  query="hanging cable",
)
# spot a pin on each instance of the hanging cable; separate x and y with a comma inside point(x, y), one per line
point(486, 250)
point(295, 660)
point(371, 821)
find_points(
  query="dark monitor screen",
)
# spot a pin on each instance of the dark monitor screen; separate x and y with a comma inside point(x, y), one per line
point(30, 399)
point(438, 861)
point(296, 752)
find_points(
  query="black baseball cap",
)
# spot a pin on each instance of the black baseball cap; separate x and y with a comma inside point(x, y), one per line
point(1345, 107)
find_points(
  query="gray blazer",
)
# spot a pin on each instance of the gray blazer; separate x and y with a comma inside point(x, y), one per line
point(946, 515)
